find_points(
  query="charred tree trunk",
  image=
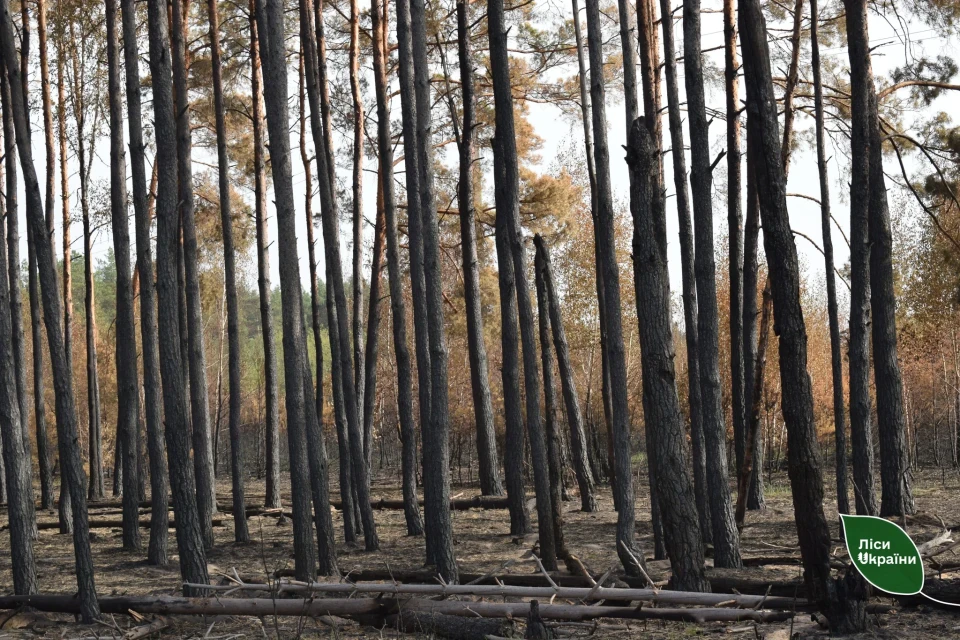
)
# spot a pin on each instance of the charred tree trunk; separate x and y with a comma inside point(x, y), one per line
point(373, 338)
point(726, 540)
point(606, 248)
point(687, 271)
point(157, 548)
point(488, 471)
point(896, 496)
point(861, 427)
point(804, 465)
point(398, 312)
point(190, 542)
point(508, 208)
point(128, 393)
point(578, 439)
point(667, 449)
point(71, 466)
point(734, 229)
point(549, 404)
point(436, 433)
point(270, 31)
point(314, 49)
point(230, 282)
point(272, 409)
point(16, 460)
point(649, 45)
point(510, 367)
point(39, 410)
point(836, 348)
point(200, 410)
point(64, 507)
point(357, 207)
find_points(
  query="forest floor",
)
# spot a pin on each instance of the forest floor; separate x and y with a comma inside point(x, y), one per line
point(482, 544)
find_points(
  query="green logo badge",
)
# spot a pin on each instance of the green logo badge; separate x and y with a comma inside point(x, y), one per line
point(884, 554)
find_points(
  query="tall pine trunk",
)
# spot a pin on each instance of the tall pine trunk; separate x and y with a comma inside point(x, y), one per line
point(196, 358)
point(488, 471)
point(836, 346)
point(269, 32)
point(272, 410)
point(804, 467)
point(734, 229)
point(436, 433)
point(688, 276)
point(508, 217)
point(667, 446)
point(398, 311)
point(128, 392)
point(726, 540)
point(16, 460)
point(190, 541)
point(896, 496)
point(64, 507)
point(70, 464)
point(578, 439)
point(39, 410)
point(314, 49)
point(861, 421)
point(607, 265)
point(240, 532)
point(357, 209)
point(159, 515)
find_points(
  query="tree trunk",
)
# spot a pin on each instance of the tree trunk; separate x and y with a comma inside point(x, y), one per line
point(64, 507)
point(16, 460)
point(39, 411)
point(71, 467)
point(488, 471)
point(508, 208)
point(608, 266)
point(650, 88)
point(398, 312)
point(667, 449)
point(272, 412)
point(13, 257)
point(408, 109)
point(726, 540)
point(549, 404)
point(230, 281)
point(323, 139)
point(190, 541)
point(510, 369)
point(373, 333)
point(687, 271)
point(803, 453)
point(128, 394)
point(751, 372)
point(861, 428)
point(269, 31)
point(734, 229)
point(157, 548)
point(436, 433)
point(357, 207)
point(202, 442)
point(578, 440)
point(896, 497)
point(836, 347)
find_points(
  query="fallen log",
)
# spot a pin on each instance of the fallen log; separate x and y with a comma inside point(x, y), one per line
point(383, 607)
point(596, 593)
point(118, 523)
point(459, 504)
point(446, 626)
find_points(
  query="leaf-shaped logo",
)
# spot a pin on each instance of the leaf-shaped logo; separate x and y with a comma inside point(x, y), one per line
point(884, 554)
